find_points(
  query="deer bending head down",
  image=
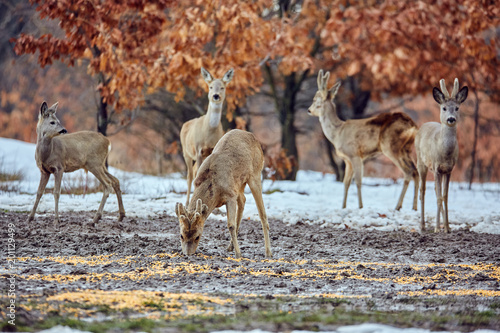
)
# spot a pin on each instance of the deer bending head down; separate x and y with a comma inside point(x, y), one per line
point(437, 148)
point(237, 160)
point(355, 140)
point(58, 152)
point(199, 135)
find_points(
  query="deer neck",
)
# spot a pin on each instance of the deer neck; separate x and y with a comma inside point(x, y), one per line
point(448, 139)
point(329, 120)
point(206, 191)
point(44, 147)
point(213, 115)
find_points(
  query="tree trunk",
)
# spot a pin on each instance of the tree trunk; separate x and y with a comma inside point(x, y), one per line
point(476, 135)
point(102, 117)
point(287, 118)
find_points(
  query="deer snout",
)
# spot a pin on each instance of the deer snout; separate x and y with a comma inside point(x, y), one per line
point(63, 131)
point(216, 97)
point(189, 248)
point(451, 120)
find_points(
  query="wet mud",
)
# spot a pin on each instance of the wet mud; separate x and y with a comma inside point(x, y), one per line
point(373, 270)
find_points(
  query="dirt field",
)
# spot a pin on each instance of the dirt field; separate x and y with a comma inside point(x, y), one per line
point(319, 278)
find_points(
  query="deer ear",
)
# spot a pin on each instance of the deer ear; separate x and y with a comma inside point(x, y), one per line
point(204, 210)
point(183, 223)
point(438, 95)
point(228, 76)
point(334, 90)
point(44, 110)
point(53, 108)
point(462, 94)
point(206, 75)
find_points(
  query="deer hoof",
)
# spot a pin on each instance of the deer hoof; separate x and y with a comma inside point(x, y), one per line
point(230, 247)
point(31, 218)
point(96, 219)
point(120, 218)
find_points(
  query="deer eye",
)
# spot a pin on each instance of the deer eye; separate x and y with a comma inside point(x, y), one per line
point(198, 238)
point(52, 122)
point(182, 238)
point(444, 109)
point(456, 108)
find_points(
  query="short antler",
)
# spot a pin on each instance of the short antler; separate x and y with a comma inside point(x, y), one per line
point(443, 88)
point(455, 88)
point(179, 209)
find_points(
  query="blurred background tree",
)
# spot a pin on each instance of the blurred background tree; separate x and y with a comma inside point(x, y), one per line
point(140, 62)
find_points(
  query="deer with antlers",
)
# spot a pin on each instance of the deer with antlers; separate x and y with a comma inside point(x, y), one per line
point(200, 135)
point(355, 140)
point(237, 160)
point(437, 149)
point(58, 152)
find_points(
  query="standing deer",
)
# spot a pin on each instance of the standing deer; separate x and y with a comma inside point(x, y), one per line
point(199, 135)
point(236, 160)
point(437, 148)
point(58, 152)
point(355, 140)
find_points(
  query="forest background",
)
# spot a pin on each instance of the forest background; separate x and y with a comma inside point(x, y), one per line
point(131, 70)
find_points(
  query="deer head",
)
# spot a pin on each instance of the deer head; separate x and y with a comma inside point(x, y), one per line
point(191, 224)
point(323, 94)
point(449, 104)
point(216, 87)
point(48, 124)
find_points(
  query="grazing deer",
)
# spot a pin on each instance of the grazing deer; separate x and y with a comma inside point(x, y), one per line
point(437, 148)
point(355, 140)
point(58, 152)
point(199, 135)
point(236, 160)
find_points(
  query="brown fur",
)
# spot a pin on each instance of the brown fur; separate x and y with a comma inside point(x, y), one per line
point(57, 154)
point(237, 160)
point(355, 140)
point(200, 135)
point(437, 149)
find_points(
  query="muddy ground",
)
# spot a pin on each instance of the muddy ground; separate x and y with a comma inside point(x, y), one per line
point(437, 275)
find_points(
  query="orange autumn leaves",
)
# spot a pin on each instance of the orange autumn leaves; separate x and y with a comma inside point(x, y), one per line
point(396, 47)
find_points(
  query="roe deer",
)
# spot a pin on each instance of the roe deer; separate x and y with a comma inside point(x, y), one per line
point(236, 160)
point(199, 135)
point(58, 152)
point(437, 148)
point(355, 140)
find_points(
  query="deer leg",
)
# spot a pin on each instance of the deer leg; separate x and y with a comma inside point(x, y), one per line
point(239, 215)
point(416, 180)
point(231, 206)
point(446, 185)
point(439, 196)
point(358, 177)
point(422, 172)
point(44, 179)
point(347, 180)
point(256, 188)
point(189, 165)
point(105, 181)
point(116, 186)
point(57, 192)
